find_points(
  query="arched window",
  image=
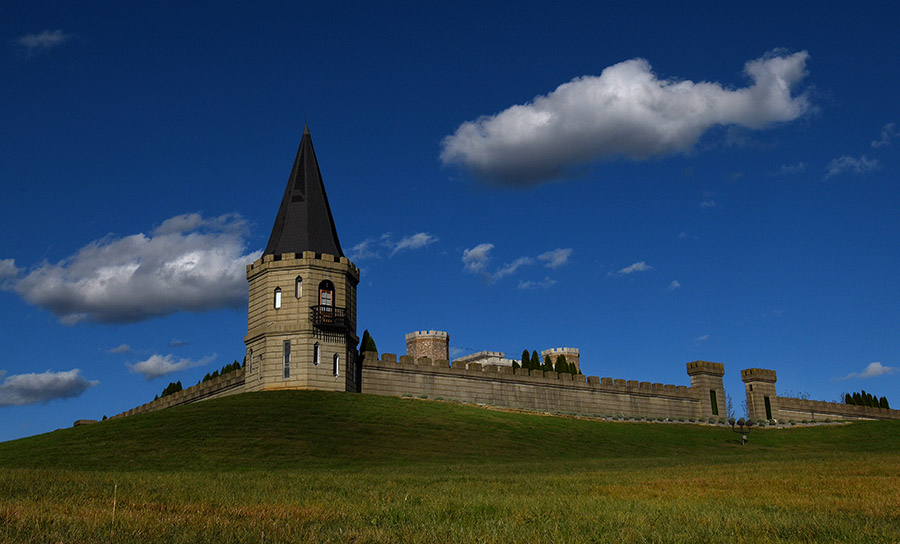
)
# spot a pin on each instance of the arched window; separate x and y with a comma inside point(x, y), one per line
point(277, 297)
point(316, 354)
point(298, 287)
point(326, 294)
point(337, 364)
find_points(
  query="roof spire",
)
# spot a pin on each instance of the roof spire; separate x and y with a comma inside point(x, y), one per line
point(304, 221)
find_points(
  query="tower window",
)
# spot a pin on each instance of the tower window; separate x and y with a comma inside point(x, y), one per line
point(326, 294)
point(277, 297)
point(337, 364)
point(298, 287)
point(250, 362)
point(316, 354)
point(713, 403)
point(287, 359)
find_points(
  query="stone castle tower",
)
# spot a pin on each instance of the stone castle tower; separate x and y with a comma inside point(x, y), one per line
point(301, 321)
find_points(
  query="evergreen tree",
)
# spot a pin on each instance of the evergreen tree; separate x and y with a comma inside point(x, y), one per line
point(367, 343)
point(562, 366)
point(535, 361)
point(884, 403)
point(515, 365)
point(526, 359)
point(548, 364)
point(848, 398)
point(857, 399)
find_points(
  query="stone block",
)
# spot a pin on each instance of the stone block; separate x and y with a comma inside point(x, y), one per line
point(406, 360)
point(594, 380)
point(644, 385)
point(424, 361)
point(474, 366)
point(551, 375)
point(389, 358)
point(619, 382)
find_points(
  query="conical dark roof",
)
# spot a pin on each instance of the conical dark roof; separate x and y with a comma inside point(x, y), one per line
point(304, 221)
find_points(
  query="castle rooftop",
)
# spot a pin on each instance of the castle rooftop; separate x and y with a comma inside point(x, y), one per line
point(304, 221)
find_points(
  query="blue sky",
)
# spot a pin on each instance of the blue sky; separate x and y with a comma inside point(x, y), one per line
point(653, 185)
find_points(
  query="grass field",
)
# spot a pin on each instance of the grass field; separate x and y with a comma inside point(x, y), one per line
point(326, 467)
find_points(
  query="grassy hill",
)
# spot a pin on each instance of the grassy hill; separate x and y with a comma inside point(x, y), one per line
point(315, 466)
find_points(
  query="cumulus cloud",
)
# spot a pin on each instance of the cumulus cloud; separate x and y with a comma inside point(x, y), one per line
point(626, 111)
point(852, 165)
point(35, 44)
point(546, 283)
point(189, 263)
point(476, 259)
point(888, 133)
point(707, 203)
point(375, 248)
point(635, 267)
point(872, 370)
point(674, 285)
point(22, 389)
point(121, 348)
point(510, 268)
point(176, 343)
point(160, 365)
point(556, 258)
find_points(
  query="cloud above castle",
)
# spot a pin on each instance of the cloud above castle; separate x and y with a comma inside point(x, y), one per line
point(188, 263)
point(627, 111)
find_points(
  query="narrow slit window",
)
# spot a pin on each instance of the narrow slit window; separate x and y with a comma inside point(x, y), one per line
point(712, 401)
point(768, 408)
point(337, 364)
point(287, 359)
point(277, 297)
point(316, 354)
point(250, 362)
point(298, 287)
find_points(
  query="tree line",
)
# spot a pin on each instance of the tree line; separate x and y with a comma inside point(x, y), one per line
point(175, 387)
point(866, 399)
point(533, 362)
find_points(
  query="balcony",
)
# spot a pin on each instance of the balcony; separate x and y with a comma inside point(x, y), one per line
point(329, 322)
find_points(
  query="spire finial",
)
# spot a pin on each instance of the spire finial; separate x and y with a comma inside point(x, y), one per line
point(305, 125)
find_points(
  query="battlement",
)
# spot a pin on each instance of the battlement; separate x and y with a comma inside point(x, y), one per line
point(307, 258)
point(560, 351)
point(758, 375)
point(705, 367)
point(428, 334)
point(426, 365)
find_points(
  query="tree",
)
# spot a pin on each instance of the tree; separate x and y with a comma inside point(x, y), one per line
point(535, 361)
point(526, 359)
point(515, 365)
point(848, 398)
point(548, 364)
point(367, 343)
point(883, 403)
point(729, 407)
point(857, 399)
point(562, 366)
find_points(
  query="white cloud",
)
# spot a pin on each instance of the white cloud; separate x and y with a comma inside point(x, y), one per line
point(853, 165)
point(175, 343)
point(373, 248)
point(703, 338)
point(416, 241)
point(511, 268)
point(790, 169)
point(188, 264)
point(872, 370)
point(35, 44)
point(674, 285)
point(626, 111)
point(121, 348)
point(22, 389)
point(160, 365)
point(888, 133)
point(556, 258)
point(708, 203)
point(635, 267)
point(8, 269)
point(476, 259)
point(543, 284)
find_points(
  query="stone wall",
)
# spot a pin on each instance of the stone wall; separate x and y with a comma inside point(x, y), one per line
point(226, 384)
point(789, 408)
point(520, 388)
point(431, 344)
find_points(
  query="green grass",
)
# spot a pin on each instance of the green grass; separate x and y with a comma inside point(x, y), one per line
point(325, 467)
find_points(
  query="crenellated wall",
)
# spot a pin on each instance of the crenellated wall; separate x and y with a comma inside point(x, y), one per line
point(521, 388)
point(220, 386)
point(764, 403)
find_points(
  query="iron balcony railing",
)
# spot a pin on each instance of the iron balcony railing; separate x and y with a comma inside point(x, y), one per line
point(329, 321)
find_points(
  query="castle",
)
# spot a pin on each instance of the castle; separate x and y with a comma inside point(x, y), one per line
point(301, 334)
